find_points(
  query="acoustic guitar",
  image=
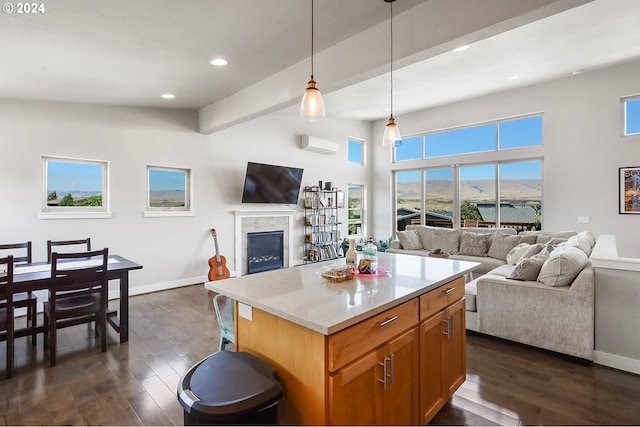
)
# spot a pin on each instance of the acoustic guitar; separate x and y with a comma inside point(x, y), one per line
point(217, 264)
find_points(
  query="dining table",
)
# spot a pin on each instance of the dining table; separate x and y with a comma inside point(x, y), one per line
point(37, 276)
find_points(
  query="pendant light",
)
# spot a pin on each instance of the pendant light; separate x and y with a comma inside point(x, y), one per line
point(312, 106)
point(391, 136)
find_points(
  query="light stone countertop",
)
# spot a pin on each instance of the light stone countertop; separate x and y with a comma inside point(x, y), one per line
point(300, 295)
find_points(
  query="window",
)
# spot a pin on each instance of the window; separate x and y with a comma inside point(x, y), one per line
point(500, 135)
point(439, 196)
point(631, 116)
point(354, 209)
point(74, 188)
point(411, 149)
point(478, 193)
point(356, 151)
point(408, 197)
point(169, 191)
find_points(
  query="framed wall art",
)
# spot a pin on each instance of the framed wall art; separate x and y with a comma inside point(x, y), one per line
point(629, 183)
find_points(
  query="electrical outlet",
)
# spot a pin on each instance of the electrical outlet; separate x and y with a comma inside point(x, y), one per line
point(245, 311)
point(584, 220)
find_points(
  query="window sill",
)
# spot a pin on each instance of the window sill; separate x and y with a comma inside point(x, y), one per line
point(74, 215)
point(163, 214)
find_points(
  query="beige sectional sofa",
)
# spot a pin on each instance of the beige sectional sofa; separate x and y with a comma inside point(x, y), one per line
point(540, 293)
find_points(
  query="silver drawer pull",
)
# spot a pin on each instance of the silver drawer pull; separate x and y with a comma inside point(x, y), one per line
point(386, 322)
point(448, 291)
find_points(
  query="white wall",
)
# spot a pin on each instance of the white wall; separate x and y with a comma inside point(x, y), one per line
point(173, 251)
point(582, 149)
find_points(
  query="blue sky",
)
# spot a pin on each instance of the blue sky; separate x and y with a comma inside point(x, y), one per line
point(64, 176)
point(160, 180)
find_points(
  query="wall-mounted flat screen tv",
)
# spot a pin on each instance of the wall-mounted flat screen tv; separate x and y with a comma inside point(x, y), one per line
point(271, 184)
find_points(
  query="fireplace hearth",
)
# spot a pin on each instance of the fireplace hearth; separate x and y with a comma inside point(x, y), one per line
point(265, 251)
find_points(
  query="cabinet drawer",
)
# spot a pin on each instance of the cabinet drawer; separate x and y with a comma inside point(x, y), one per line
point(439, 298)
point(351, 343)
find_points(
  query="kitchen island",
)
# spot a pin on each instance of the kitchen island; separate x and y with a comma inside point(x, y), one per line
point(372, 350)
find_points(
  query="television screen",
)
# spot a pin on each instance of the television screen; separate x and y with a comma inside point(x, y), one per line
point(271, 184)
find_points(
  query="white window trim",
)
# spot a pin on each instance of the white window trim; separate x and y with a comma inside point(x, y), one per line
point(77, 212)
point(163, 212)
point(363, 150)
point(623, 115)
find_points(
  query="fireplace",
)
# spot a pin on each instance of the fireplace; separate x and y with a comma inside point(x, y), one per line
point(265, 251)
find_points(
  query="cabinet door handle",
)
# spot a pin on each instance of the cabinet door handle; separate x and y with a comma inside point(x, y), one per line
point(384, 373)
point(449, 290)
point(386, 322)
point(393, 368)
point(446, 327)
point(450, 325)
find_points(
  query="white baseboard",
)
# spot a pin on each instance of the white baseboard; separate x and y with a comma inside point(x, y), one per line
point(618, 362)
point(155, 287)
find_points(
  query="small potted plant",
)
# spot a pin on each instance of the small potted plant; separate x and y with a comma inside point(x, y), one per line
point(383, 245)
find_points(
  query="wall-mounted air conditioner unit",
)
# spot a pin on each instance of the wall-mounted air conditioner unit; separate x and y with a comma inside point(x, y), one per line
point(318, 145)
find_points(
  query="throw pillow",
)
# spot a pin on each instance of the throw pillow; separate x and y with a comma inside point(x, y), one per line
point(563, 266)
point(528, 238)
point(589, 236)
point(528, 268)
point(533, 250)
point(580, 243)
point(409, 239)
point(445, 239)
point(516, 253)
point(474, 244)
point(502, 245)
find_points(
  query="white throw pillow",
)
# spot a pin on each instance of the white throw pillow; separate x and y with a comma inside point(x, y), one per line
point(580, 243)
point(502, 245)
point(409, 239)
point(516, 253)
point(445, 239)
point(563, 266)
point(589, 236)
point(529, 268)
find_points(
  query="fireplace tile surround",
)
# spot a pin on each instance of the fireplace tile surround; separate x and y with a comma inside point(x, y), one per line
point(262, 221)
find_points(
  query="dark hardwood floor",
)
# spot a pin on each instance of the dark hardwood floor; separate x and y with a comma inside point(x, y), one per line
point(135, 383)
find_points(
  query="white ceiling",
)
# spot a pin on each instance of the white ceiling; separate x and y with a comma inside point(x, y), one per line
point(124, 52)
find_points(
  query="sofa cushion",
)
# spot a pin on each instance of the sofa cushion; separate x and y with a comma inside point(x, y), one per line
point(470, 293)
point(563, 266)
point(445, 239)
point(528, 238)
point(425, 233)
point(409, 239)
point(475, 244)
point(502, 245)
point(528, 268)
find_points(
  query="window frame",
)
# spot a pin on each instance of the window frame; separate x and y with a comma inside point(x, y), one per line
point(361, 220)
point(74, 212)
point(624, 116)
point(167, 211)
point(361, 143)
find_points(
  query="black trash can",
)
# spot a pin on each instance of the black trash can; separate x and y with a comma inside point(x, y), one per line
point(230, 388)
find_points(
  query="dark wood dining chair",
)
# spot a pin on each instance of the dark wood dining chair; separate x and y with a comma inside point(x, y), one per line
point(21, 253)
point(53, 245)
point(6, 309)
point(76, 295)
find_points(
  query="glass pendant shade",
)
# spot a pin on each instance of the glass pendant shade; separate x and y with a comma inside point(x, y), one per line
point(391, 136)
point(312, 106)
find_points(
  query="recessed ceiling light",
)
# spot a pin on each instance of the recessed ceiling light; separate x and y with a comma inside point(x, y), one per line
point(167, 96)
point(513, 77)
point(579, 71)
point(461, 48)
point(218, 62)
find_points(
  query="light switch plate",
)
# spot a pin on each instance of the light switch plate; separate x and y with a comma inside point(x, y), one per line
point(584, 220)
point(245, 311)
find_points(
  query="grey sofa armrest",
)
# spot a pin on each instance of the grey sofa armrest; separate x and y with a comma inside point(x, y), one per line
point(555, 318)
point(395, 244)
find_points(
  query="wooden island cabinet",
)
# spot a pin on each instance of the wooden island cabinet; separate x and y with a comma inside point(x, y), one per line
point(388, 350)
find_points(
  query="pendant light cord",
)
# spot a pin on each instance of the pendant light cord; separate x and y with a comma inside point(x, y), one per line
point(391, 63)
point(312, 38)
